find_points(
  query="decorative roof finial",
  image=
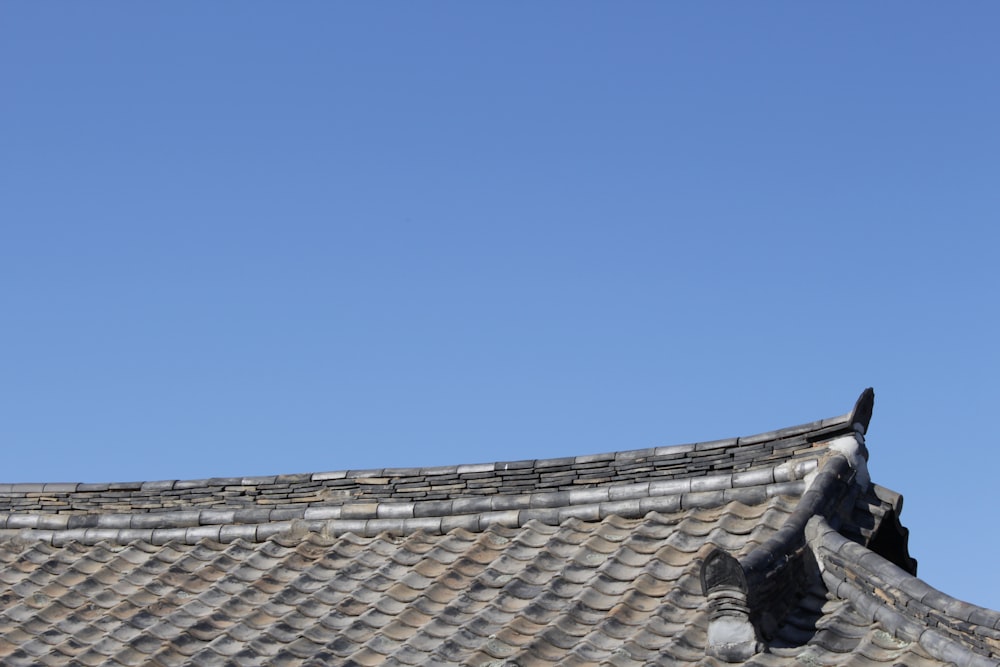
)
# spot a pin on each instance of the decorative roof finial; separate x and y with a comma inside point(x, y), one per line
point(731, 635)
point(862, 413)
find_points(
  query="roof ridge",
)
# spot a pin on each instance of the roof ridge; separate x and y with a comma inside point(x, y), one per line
point(807, 432)
point(905, 605)
point(438, 516)
point(745, 593)
point(745, 455)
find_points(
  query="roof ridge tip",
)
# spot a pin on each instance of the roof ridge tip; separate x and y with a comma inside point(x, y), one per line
point(861, 415)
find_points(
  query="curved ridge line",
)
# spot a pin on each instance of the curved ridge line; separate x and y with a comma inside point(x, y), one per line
point(824, 539)
point(827, 487)
point(827, 428)
point(775, 480)
point(474, 522)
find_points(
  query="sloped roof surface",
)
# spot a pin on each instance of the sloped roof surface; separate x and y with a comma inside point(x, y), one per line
point(768, 550)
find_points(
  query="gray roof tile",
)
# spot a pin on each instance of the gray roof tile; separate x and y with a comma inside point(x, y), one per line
point(582, 560)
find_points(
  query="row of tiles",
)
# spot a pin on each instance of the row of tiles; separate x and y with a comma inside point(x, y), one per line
point(616, 591)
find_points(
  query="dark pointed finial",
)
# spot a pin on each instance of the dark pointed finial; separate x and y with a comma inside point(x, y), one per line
point(862, 413)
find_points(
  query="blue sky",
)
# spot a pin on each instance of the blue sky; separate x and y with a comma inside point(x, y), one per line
point(244, 238)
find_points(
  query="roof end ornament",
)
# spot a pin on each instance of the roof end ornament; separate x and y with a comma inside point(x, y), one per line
point(731, 635)
point(861, 415)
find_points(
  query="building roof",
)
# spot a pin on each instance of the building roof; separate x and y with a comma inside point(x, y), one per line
point(769, 550)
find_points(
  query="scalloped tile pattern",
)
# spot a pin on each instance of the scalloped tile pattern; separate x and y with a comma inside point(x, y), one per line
point(612, 592)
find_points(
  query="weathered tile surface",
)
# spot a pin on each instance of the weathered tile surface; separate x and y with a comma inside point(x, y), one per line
point(592, 560)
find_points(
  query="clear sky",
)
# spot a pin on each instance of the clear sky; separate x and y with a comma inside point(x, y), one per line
point(251, 238)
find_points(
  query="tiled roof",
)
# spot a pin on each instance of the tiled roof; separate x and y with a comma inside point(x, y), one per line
point(768, 550)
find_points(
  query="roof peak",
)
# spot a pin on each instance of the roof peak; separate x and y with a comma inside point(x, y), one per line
point(707, 474)
point(861, 415)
